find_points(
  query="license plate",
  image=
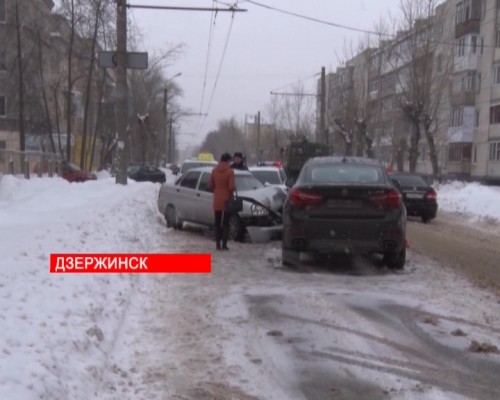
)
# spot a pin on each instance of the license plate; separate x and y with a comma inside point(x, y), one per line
point(343, 203)
point(414, 195)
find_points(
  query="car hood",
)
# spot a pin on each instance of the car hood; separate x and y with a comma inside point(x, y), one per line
point(271, 196)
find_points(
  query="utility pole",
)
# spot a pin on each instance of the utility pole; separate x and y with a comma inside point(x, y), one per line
point(121, 110)
point(322, 135)
point(170, 141)
point(258, 136)
point(164, 145)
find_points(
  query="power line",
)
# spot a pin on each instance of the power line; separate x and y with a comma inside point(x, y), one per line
point(320, 21)
point(210, 35)
point(219, 70)
point(296, 82)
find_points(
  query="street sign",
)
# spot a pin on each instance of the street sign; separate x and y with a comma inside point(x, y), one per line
point(135, 60)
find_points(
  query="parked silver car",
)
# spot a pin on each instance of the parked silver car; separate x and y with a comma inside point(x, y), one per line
point(189, 199)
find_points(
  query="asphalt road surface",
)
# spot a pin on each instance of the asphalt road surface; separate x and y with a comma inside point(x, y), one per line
point(348, 330)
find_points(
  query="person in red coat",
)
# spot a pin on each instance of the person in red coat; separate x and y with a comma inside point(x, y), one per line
point(223, 185)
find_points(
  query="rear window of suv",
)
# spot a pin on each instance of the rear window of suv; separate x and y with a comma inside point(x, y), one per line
point(342, 173)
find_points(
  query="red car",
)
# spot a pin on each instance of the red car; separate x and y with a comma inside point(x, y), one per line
point(72, 173)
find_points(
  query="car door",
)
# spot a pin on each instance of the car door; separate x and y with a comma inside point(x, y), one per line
point(205, 196)
point(185, 194)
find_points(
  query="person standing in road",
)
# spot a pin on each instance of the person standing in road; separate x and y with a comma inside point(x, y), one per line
point(238, 162)
point(223, 185)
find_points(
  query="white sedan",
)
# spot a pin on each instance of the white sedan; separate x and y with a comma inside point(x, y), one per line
point(189, 199)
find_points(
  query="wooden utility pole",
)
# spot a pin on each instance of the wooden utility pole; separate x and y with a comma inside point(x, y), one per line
point(121, 110)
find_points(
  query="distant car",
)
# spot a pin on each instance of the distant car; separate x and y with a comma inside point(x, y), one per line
point(273, 176)
point(189, 199)
point(419, 196)
point(73, 173)
point(146, 173)
point(345, 205)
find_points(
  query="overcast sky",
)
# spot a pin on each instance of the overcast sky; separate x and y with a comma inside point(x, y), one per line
point(266, 51)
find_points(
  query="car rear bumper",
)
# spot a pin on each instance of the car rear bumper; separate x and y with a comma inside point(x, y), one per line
point(382, 237)
point(422, 209)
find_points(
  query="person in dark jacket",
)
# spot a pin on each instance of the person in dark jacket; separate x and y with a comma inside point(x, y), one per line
point(238, 162)
point(223, 185)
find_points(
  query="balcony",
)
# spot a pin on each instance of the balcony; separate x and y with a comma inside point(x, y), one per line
point(467, 62)
point(468, 27)
point(463, 99)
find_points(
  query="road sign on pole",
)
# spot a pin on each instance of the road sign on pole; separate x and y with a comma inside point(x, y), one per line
point(135, 60)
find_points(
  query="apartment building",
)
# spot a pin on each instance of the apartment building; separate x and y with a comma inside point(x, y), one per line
point(45, 98)
point(458, 84)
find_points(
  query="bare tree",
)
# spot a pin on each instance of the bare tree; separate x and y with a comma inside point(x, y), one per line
point(148, 89)
point(228, 133)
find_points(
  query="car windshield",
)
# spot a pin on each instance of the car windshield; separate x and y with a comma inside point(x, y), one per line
point(134, 168)
point(264, 176)
point(341, 173)
point(247, 182)
point(410, 180)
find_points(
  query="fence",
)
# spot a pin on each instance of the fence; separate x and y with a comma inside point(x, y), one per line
point(28, 162)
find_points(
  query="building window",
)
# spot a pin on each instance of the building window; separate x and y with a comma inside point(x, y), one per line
point(455, 152)
point(495, 114)
point(464, 9)
point(473, 43)
point(496, 74)
point(476, 119)
point(457, 116)
point(2, 10)
point(494, 151)
point(2, 106)
point(481, 49)
point(460, 47)
point(469, 82)
point(3, 60)
point(474, 154)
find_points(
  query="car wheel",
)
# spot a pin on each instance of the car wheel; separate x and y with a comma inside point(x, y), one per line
point(290, 258)
point(236, 228)
point(426, 220)
point(172, 218)
point(395, 260)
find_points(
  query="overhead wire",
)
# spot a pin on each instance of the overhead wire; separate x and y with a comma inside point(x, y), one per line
point(320, 21)
point(218, 71)
point(205, 74)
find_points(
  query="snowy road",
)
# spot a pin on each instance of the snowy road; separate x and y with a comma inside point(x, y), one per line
point(252, 330)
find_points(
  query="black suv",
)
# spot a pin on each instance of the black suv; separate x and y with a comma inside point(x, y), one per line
point(419, 196)
point(344, 205)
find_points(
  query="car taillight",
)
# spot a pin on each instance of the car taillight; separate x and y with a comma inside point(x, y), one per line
point(299, 198)
point(386, 199)
point(432, 195)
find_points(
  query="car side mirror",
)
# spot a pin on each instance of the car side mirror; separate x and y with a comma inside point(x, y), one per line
point(396, 183)
point(289, 182)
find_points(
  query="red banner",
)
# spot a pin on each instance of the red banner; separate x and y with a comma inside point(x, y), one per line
point(131, 263)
